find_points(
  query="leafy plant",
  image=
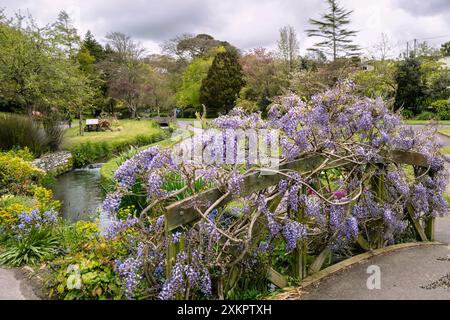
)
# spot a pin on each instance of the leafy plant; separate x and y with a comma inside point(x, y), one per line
point(17, 176)
point(40, 245)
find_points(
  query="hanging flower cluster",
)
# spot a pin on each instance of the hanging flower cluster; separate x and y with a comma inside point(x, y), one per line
point(358, 191)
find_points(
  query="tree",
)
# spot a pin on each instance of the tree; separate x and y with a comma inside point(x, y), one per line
point(188, 95)
point(445, 49)
point(264, 80)
point(410, 87)
point(95, 49)
point(380, 82)
point(288, 47)
point(125, 70)
point(332, 28)
point(221, 86)
point(322, 76)
point(188, 47)
point(383, 49)
point(64, 35)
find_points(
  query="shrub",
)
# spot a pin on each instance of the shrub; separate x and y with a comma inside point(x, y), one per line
point(17, 176)
point(39, 245)
point(442, 109)
point(21, 131)
point(87, 271)
point(407, 114)
point(426, 115)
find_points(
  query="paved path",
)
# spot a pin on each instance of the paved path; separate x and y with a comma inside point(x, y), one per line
point(402, 273)
point(12, 286)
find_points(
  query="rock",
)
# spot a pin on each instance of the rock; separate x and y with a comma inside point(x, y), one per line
point(57, 162)
point(27, 269)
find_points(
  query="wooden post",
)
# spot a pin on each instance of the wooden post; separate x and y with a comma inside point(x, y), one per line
point(300, 253)
point(429, 228)
point(378, 183)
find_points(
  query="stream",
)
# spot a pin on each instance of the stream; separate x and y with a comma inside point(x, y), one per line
point(80, 193)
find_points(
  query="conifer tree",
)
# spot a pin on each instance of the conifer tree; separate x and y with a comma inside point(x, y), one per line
point(221, 87)
point(337, 40)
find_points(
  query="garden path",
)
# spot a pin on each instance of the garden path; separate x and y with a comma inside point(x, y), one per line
point(14, 287)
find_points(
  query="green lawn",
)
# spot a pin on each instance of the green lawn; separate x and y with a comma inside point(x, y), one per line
point(129, 129)
point(445, 131)
point(445, 150)
point(425, 122)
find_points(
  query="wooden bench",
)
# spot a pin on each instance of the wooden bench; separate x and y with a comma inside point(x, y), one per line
point(163, 121)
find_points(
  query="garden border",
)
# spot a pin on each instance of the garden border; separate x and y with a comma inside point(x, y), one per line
point(289, 292)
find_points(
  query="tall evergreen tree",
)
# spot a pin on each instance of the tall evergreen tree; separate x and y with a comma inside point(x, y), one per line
point(411, 89)
point(221, 87)
point(91, 44)
point(337, 40)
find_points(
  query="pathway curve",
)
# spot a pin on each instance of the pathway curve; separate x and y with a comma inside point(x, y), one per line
point(14, 287)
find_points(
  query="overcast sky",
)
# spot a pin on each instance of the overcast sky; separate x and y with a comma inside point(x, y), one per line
point(244, 23)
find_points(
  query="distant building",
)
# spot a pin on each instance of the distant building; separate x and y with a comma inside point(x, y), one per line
point(366, 66)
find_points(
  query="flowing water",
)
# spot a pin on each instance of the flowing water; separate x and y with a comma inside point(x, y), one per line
point(80, 193)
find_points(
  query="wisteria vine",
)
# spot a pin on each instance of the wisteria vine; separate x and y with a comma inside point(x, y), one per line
point(326, 208)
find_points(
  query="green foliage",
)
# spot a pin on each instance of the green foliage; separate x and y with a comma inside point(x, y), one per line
point(86, 271)
point(222, 85)
point(39, 245)
point(377, 83)
point(17, 176)
point(421, 81)
point(426, 115)
point(441, 108)
point(188, 96)
point(17, 131)
point(445, 49)
point(410, 86)
point(37, 69)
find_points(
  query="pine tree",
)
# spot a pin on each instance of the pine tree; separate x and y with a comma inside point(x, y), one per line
point(95, 49)
point(336, 38)
point(221, 87)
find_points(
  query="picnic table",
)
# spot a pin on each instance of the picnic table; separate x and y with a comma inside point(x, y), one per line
point(92, 125)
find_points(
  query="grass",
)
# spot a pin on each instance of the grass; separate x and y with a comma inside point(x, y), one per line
point(444, 132)
point(445, 150)
point(129, 130)
point(424, 122)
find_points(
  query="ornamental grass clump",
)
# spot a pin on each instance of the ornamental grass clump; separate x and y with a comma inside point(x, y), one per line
point(356, 196)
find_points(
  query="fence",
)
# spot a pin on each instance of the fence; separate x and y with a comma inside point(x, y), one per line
point(184, 214)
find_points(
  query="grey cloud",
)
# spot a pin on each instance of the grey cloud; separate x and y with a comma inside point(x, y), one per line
point(244, 23)
point(425, 7)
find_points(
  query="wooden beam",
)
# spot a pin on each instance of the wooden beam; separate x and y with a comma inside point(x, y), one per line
point(277, 278)
point(416, 224)
point(183, 212)
point(319, 261)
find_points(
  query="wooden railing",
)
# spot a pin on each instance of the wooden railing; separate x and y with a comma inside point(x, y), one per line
point(183, 214)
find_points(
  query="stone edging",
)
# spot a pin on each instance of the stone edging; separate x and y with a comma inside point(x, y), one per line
point(293, 292)
point(58, 162)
